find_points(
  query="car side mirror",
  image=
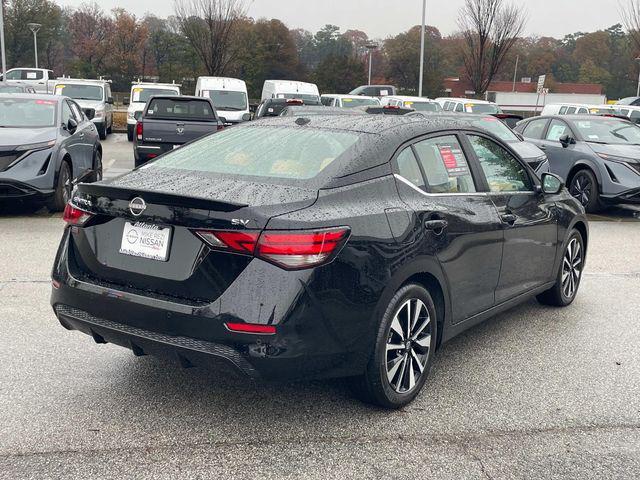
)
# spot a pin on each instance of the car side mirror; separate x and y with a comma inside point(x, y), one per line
point(222, 119)
point(71, 126)
point(551, 183)
point(246, 117)
point(566, 140)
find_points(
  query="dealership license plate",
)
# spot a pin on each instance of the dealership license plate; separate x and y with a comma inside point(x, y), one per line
point(145, 240)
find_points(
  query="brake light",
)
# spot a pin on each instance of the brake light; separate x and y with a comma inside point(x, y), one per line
point(391, 107)
point(139, 130)
point(75, 216)
point(251, 328)
point(294, 101)
point(289, 249)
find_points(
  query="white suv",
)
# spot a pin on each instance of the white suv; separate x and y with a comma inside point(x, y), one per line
point(94, 97)
point(468, 105)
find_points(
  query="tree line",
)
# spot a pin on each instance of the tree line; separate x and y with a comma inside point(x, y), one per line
point(217, 37)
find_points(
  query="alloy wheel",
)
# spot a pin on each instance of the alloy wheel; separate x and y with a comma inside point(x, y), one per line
point(581, 189)
point(571, 268)
point(66, 184)
point(408, 345)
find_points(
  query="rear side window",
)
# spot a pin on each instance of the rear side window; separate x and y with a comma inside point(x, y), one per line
point(534, 129)
point(583, 110)
point(571, 110)
point(556, 130)
point(562, 111)
point(326, 101)
point(445, 165)
point(187, 110)
point(459, 107)
point(408, 168)
point(276, 152)
point(503, 172)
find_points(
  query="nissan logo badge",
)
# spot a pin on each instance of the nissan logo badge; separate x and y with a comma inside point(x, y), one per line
point(137, 206)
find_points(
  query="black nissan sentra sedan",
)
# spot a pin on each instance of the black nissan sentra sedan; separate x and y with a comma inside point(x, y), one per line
point(316, 247)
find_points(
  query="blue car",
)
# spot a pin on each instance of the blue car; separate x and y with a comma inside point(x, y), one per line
point(47, 145)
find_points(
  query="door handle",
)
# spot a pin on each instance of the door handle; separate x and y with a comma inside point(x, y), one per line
point(508, 218)
point(436, 226)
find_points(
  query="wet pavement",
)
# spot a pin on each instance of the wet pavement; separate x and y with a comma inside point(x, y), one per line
point(535, 393)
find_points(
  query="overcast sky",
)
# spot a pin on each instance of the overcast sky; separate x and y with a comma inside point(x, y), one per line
point(381, 18)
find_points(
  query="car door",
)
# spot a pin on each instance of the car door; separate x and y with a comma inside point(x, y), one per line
point(454, 221)
point(528, 219)
point(72, 141)
point(561, 158)
point(86, 135)
point(108, 106)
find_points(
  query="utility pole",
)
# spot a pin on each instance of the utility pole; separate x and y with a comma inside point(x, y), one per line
point(371, 47)
point(4, 58)
point(515, 74)
point(424, 15)
point(638, 90)
point(34, 27)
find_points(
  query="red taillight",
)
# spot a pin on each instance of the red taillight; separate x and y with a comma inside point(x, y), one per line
point(251, 328)
point(139, 130)
point(391, 107)
point(294, 101)
point(75, 216)
point(289, 249)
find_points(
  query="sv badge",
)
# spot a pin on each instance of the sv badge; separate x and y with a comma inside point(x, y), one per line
point(240, 221)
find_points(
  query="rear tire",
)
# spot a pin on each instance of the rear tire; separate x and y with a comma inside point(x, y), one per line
point(96, 176)
point(584, 188)
point(130, 133)
point(63, 188)
point(564, 291)
point(403, 351)
point(102, 131)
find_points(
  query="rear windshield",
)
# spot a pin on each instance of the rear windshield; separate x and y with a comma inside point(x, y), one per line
point(358, 102)
point(227, 100)
point(302, 96)
point(423, 106)
point(169, 108)
point(275, 152)
point(482, 108)
point(142, 94)
point(495, 126)
point(22, 113)
point(80, 92)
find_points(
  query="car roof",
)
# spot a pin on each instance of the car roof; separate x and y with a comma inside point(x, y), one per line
point(314, 110)
point(408, 98)
point(465, 100)
point(81, 81)
point(34, 96)
point(346, 95)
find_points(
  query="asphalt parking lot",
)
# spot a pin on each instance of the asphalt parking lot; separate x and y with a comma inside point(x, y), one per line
point(535, 393)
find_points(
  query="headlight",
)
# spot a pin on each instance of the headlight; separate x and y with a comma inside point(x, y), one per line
point(632, 163)
point(36, 146)
point(98, 114)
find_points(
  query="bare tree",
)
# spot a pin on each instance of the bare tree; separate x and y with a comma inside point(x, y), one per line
point(489, 29)
point(209, 26)
point(630, 11)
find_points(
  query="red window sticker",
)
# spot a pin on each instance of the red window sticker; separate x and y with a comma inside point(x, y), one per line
point(45, 102)
point(448, 157)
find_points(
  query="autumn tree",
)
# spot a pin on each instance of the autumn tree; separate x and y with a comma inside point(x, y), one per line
point(90, 35)
point(209, 26)
point(490, 29)
point(403, 53)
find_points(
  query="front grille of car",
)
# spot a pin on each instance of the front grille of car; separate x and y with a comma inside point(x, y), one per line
point(89, 113)
point(7, 158)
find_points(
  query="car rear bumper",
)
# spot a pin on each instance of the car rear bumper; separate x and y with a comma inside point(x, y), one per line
point(13, 189)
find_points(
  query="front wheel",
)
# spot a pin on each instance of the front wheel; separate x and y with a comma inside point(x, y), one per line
point(102, 131)
point(565, 289)
point(96, 176)
point(403, 352)
point(584, 187)
point(63, 188)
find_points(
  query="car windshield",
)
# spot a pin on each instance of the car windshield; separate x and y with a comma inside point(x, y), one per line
point(143, 94)
point(301, 96)
point(482, 108)
point(496, 127)
point(263, 151)
point(168, 108)
point(358, 102)
point(23, 113)
point(80, 92)
point(423, 106)
point(227, 99)
point(609, 131)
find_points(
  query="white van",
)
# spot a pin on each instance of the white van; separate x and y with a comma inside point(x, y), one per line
point(229, 95)
point(419, 104)
point(140, 93)
point(347, 101)
point(468, 105)
point(565, 109)
point(307, 92)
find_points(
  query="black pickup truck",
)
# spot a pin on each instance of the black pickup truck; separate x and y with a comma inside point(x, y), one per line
point(168, 122)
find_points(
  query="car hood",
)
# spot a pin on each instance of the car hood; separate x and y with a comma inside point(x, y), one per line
point(526, 150)
point(630, 152)
point(95, 104)
point(14, 137)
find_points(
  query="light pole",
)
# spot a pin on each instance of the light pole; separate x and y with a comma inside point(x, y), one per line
point(34, 27)
point(4, 58)
point(424, 14)
point(638, 90)
point(371, 47)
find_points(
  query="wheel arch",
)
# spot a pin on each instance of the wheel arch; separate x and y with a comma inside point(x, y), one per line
point(581, 226)
point(584, 165)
